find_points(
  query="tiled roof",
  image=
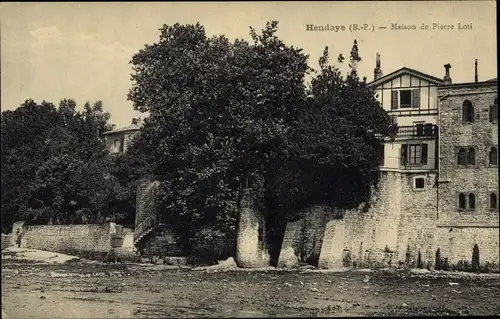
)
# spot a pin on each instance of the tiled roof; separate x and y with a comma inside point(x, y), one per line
point(132, 127)
point(405, 70)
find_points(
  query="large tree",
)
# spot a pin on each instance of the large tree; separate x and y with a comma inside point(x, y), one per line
point(334, 147)
point(55, 166)
point(231, 115)
point(218, 116)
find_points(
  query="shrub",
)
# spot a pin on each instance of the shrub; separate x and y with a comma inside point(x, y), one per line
point(420, 264)
point(408, 255)
point(438, 260)
point(475, 258)
point(347, 260)
point(462, 265)
point(445, 265)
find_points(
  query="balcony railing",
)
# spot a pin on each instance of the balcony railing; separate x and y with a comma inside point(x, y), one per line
point(418, 131)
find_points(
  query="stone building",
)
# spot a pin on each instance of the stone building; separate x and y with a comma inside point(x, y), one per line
point(467, 211)
point(118, 139)
point(438, 183)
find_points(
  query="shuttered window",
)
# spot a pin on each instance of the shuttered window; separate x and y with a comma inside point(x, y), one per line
point(414, 154)
point(415, 96)
point(394, 100)
point(425, 151)
point(404, 154)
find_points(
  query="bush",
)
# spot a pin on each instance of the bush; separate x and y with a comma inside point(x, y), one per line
point(347, 260)
point(462, 265)
point(438, 260)
point(420, 264)
point(475, 258)
point(445, 265)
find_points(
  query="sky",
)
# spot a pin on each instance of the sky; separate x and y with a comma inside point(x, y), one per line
point(51, 51)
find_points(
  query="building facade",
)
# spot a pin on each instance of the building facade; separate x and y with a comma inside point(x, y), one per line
point(118, 140)
point(439, 180)
point(468, 175)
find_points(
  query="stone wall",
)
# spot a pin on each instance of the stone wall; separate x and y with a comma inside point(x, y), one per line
point(251, 250)
point(82, 240)
point(303, 238)
point(6, 240)
point(162, 242)
point(458, 230)
point(456, 243)
point(399, 220)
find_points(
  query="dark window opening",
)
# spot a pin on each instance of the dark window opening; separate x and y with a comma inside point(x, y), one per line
point(493, 201)
point(471, 156)
point(494, 111)
point(462, 156)
point(461, 201)
point(472, 201)
point(419, 183)
point(493, 156)
point(405, 98)
point(467, 111)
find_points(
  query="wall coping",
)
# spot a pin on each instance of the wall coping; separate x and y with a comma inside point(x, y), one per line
point(468, 225)
point(397, 170)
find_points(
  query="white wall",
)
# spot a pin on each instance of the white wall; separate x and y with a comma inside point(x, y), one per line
point(428, 92)
point(392, 151)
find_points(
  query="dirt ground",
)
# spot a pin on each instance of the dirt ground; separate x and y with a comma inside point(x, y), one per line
point(96, 290)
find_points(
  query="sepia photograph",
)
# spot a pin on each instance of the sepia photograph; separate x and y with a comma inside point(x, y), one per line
point(249, 159)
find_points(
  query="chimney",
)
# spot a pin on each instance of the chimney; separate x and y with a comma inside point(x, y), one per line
point(377, 73)
point(447, 78)
point(475, 72)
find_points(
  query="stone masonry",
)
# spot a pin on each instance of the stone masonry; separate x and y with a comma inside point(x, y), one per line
point(458, 230)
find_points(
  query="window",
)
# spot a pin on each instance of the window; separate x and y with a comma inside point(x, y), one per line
point(419, 183)
point(472, 201)
point(405, 99)
point(467, 111)
point(461, 201)
point(414, 154)
point(471, 156)
point(493, 156)
point(462, 156)
point(466, 156)
point(493, 201)
point(494, 111)
point(466, 201)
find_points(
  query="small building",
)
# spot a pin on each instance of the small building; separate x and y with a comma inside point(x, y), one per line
point(118, 139)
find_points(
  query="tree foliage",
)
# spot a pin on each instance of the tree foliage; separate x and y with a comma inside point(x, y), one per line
point(230, 115)
point(55, 166)
point(218, 114)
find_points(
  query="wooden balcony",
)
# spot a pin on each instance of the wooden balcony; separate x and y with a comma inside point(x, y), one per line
point(421, 131)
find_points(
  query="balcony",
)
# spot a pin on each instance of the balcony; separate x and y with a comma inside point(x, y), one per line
point(421, 131)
